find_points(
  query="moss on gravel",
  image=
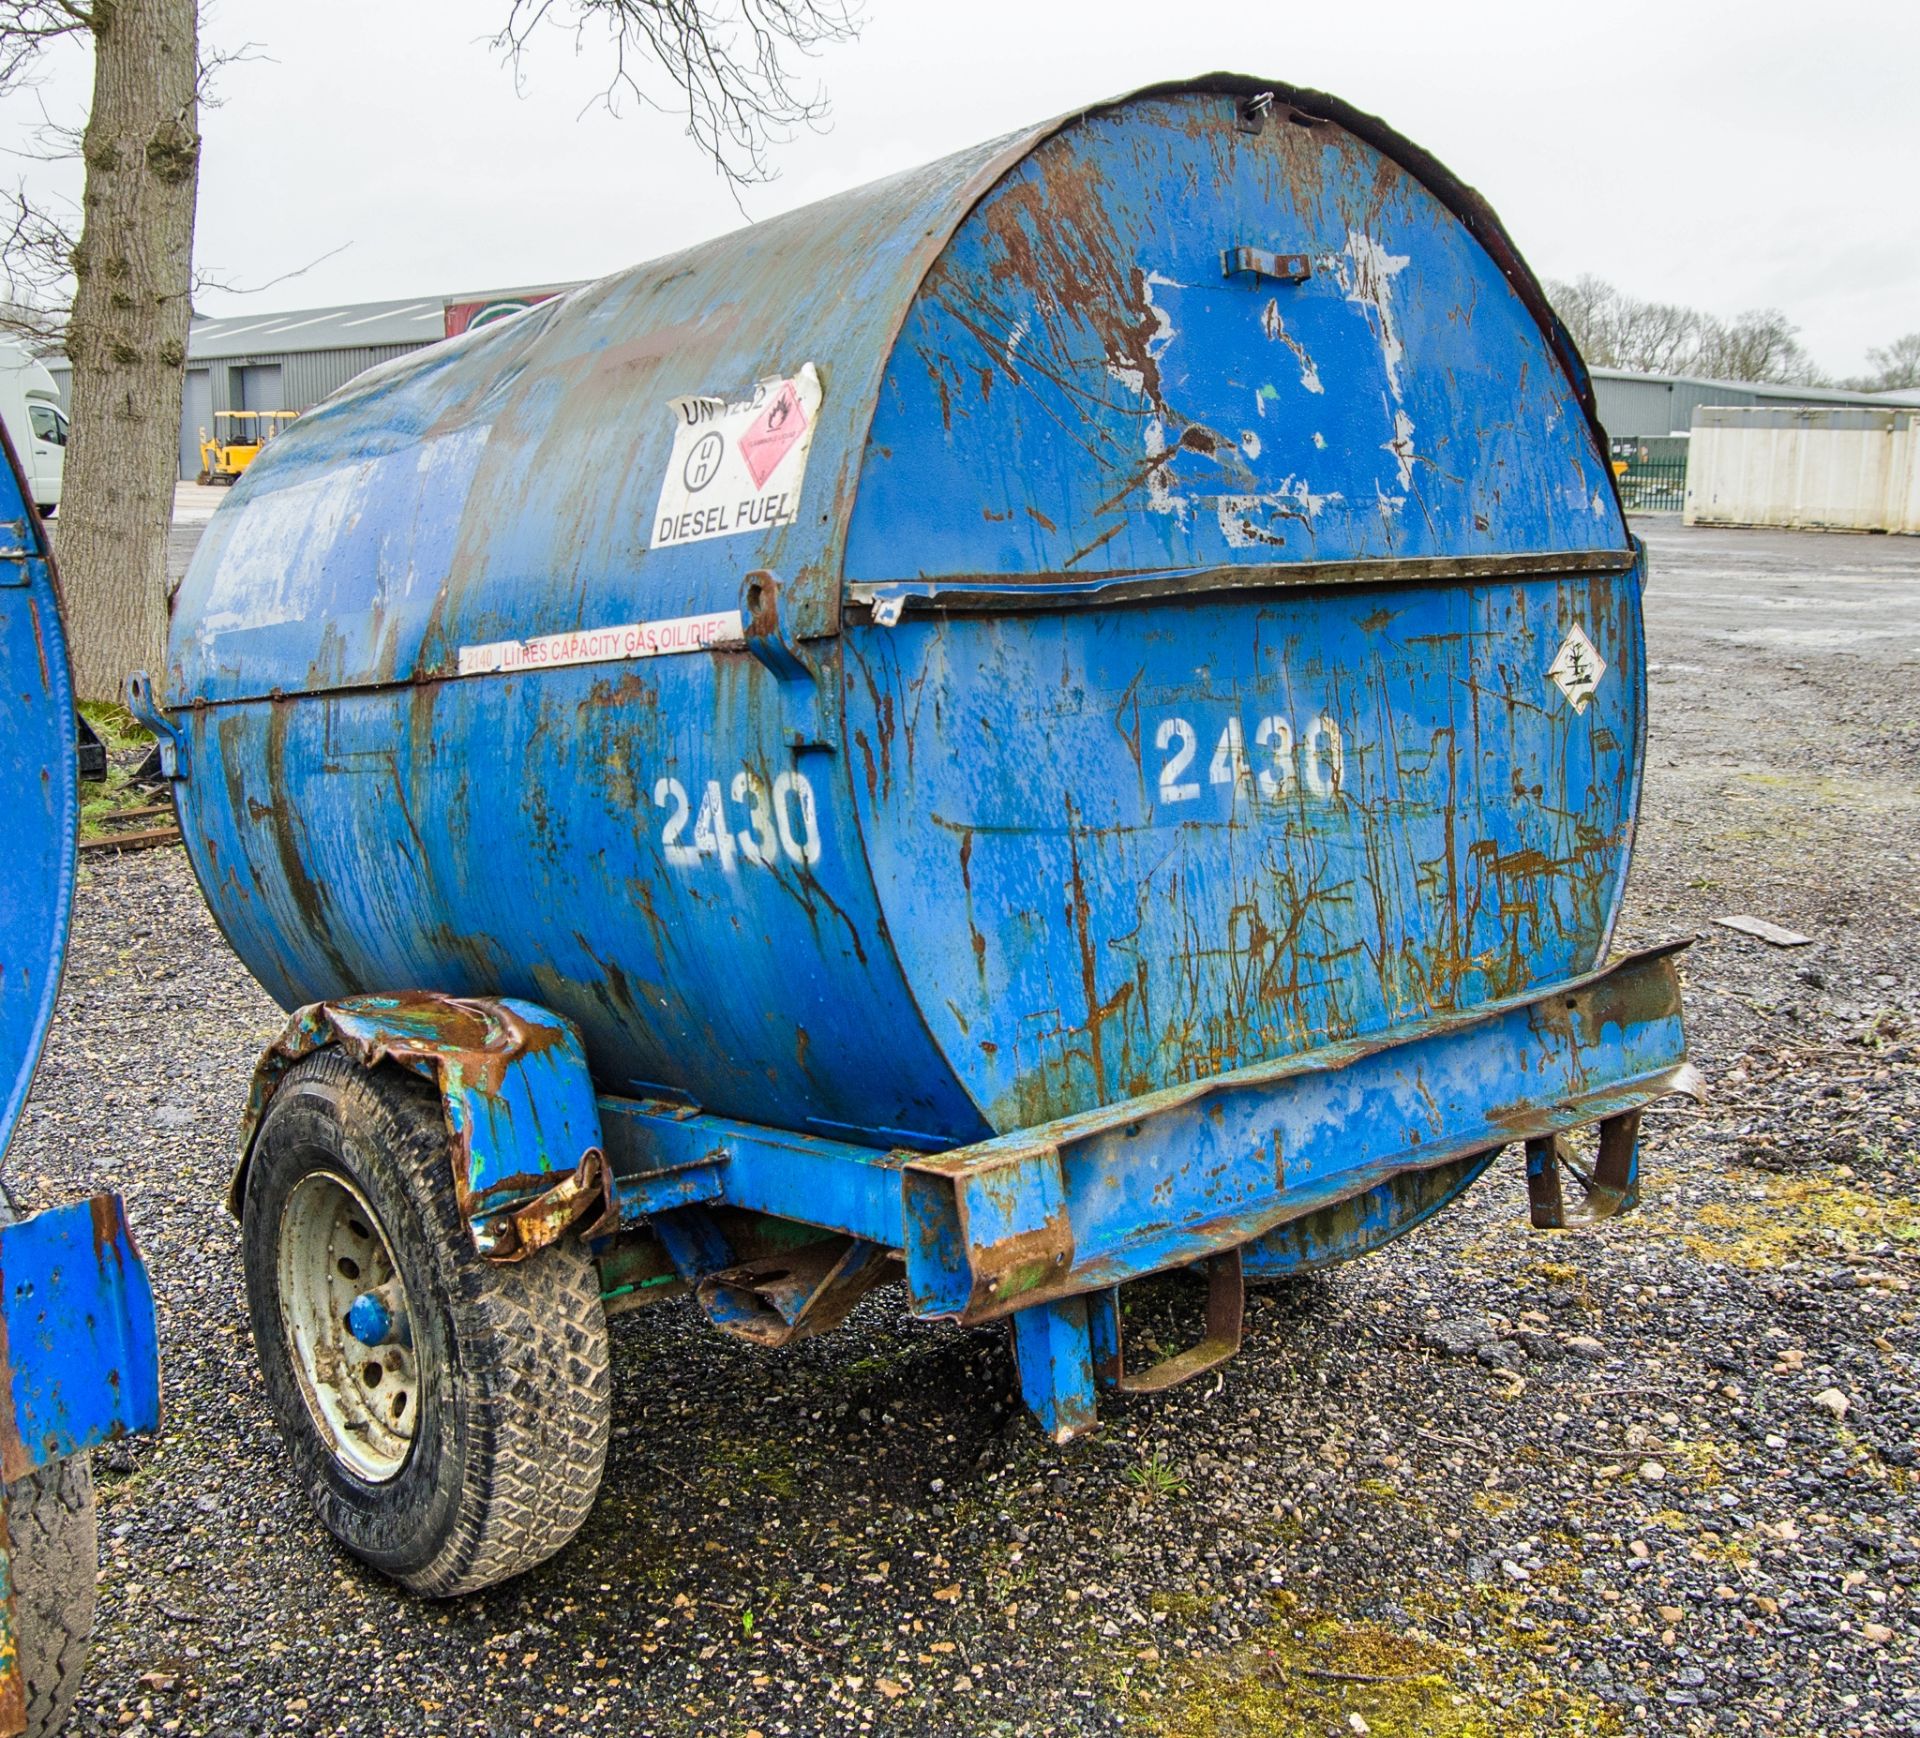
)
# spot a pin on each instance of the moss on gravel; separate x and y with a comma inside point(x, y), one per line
point(1312, 1672)
point(1792, 1218)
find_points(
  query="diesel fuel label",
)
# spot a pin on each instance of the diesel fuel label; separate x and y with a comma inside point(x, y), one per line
point(737, 464)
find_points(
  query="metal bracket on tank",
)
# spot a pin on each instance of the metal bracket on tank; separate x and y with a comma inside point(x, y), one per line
point(804, 690)
point(166, 734)
point(1261, 262)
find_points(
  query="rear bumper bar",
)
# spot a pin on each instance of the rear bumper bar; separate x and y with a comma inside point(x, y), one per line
point(1081, 1205)
point(1156, 1182)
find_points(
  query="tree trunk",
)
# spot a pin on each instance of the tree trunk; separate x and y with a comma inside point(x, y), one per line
point(127, 338)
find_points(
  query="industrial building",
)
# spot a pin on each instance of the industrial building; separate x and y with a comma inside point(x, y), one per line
point(291, 361)
point(1643, 407)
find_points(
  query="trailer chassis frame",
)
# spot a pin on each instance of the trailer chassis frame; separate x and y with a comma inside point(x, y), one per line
point(1262, 1171)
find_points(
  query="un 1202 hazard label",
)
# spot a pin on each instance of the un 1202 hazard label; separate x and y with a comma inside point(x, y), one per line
point(737, 464)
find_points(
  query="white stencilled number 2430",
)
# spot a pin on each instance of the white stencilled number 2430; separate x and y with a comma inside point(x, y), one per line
point(781, 821)
point(1273, 763)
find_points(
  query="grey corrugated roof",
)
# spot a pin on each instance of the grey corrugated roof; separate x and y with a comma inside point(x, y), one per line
point(345, 326)
point(1759, 388)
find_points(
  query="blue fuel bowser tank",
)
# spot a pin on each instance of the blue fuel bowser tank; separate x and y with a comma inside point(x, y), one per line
point(1073, 713)
point(79, 1362)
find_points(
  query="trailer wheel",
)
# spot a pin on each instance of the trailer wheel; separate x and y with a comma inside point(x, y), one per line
point(53, 1548)
point(446, 1414)
point(53, 1552)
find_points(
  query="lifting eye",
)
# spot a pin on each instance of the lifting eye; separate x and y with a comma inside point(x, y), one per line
point(1253, 111)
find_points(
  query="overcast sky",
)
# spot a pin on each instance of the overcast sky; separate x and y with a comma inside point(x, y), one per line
point(1729, 155)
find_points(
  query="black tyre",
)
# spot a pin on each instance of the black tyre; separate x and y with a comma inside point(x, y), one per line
point(54, 1549)
point(472, 1452)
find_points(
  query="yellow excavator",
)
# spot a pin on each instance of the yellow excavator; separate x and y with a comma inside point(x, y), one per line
point(238, 436)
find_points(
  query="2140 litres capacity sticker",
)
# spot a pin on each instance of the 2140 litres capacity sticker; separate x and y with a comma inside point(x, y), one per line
point(737, 464)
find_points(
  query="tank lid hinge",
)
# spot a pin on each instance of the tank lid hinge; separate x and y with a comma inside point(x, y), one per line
point(808, 712)
point(145, 707)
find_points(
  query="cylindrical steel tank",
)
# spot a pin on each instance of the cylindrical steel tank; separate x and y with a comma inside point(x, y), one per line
point(1141, 597)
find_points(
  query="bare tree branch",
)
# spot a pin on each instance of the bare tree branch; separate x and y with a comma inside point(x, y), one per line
point(27, 27)
point(728, 60)
point(1616, 330)
point(204, 278)
point(36, 269)
point(1896, 366)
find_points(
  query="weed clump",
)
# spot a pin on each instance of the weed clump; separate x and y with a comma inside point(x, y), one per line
point(1311, 1673)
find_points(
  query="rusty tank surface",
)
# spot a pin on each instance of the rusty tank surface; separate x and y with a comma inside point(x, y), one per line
point(1080, 715)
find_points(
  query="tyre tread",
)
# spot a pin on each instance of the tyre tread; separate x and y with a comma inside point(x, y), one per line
point(54, 1547)
point(534, 1414)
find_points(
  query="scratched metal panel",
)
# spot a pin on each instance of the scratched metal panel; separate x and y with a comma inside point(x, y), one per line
point(79, 1361)
point(389, 829)
point(1118, 849)
point(503, 838)
point(39, 793)
point(1080, 390)
point(503, 484)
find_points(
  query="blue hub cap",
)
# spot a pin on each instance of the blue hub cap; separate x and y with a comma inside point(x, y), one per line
point(370, 1321)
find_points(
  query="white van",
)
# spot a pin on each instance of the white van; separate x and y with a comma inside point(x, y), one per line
point(30, 407)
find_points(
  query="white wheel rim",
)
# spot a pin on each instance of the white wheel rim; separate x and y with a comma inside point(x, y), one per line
point(364, 1399)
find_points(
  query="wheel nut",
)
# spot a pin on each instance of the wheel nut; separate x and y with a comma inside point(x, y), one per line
point(375, 1318)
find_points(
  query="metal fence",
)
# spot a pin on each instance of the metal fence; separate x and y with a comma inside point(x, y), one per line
point(1653, 475)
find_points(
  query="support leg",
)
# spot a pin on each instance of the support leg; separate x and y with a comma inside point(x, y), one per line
point(1612, 1187)
point(1103, 1327)
point(1055, 1353)
point(1616, 1172)
point(1546, 1204)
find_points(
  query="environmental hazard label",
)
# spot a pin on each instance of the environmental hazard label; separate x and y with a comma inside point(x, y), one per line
point(737, 464)
point(1577, 668)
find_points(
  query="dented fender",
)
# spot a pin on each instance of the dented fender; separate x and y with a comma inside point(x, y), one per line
point(523, 1129)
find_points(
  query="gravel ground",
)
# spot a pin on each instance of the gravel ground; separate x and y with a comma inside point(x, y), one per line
point(1658, 1477)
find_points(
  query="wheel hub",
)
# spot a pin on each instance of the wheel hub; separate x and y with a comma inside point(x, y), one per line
point(346, 1316)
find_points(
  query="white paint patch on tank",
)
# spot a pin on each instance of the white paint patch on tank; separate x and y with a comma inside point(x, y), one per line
point(1160, 498)
point(1387, 504)
point(274, 567)
point(1294, 499)
point(1129, 376)
point(1401, 446)
point(271, 569)
point(1249, 443)
point(459, 450)
point(1365, 272)
point(1235, 514)
point(1295, 489)
point(1273, 323)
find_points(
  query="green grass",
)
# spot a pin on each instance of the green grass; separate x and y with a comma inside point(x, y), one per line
point(104, 802)
point(1154, 1475)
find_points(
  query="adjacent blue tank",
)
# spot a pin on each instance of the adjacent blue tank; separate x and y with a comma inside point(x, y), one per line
point(1142, 597)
